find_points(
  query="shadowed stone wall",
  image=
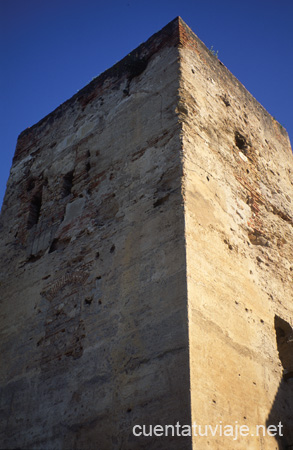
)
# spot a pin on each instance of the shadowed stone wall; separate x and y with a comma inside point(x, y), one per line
point(94, 334)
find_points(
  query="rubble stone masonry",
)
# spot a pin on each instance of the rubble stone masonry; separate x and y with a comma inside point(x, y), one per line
point(147, 261)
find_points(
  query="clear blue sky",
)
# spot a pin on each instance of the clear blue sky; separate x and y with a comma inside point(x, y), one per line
point(51, 49)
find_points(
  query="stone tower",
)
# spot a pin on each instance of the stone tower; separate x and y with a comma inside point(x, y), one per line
point(146, 262)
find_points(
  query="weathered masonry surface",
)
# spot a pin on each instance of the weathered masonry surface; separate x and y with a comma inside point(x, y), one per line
point(238, 195)
point(147, 261)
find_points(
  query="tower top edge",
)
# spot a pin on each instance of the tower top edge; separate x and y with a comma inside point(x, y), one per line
point(130, 65)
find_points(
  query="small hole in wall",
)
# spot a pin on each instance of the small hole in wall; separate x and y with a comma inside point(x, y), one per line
point(100, 302)
point(88, 300)
point(241, 142)
point(34, 210)
point(112, 249)
point(249, 200)
point(225, 99)
point(88, 164)
point(129, 410)
point(67, 184)
point(97, 255)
